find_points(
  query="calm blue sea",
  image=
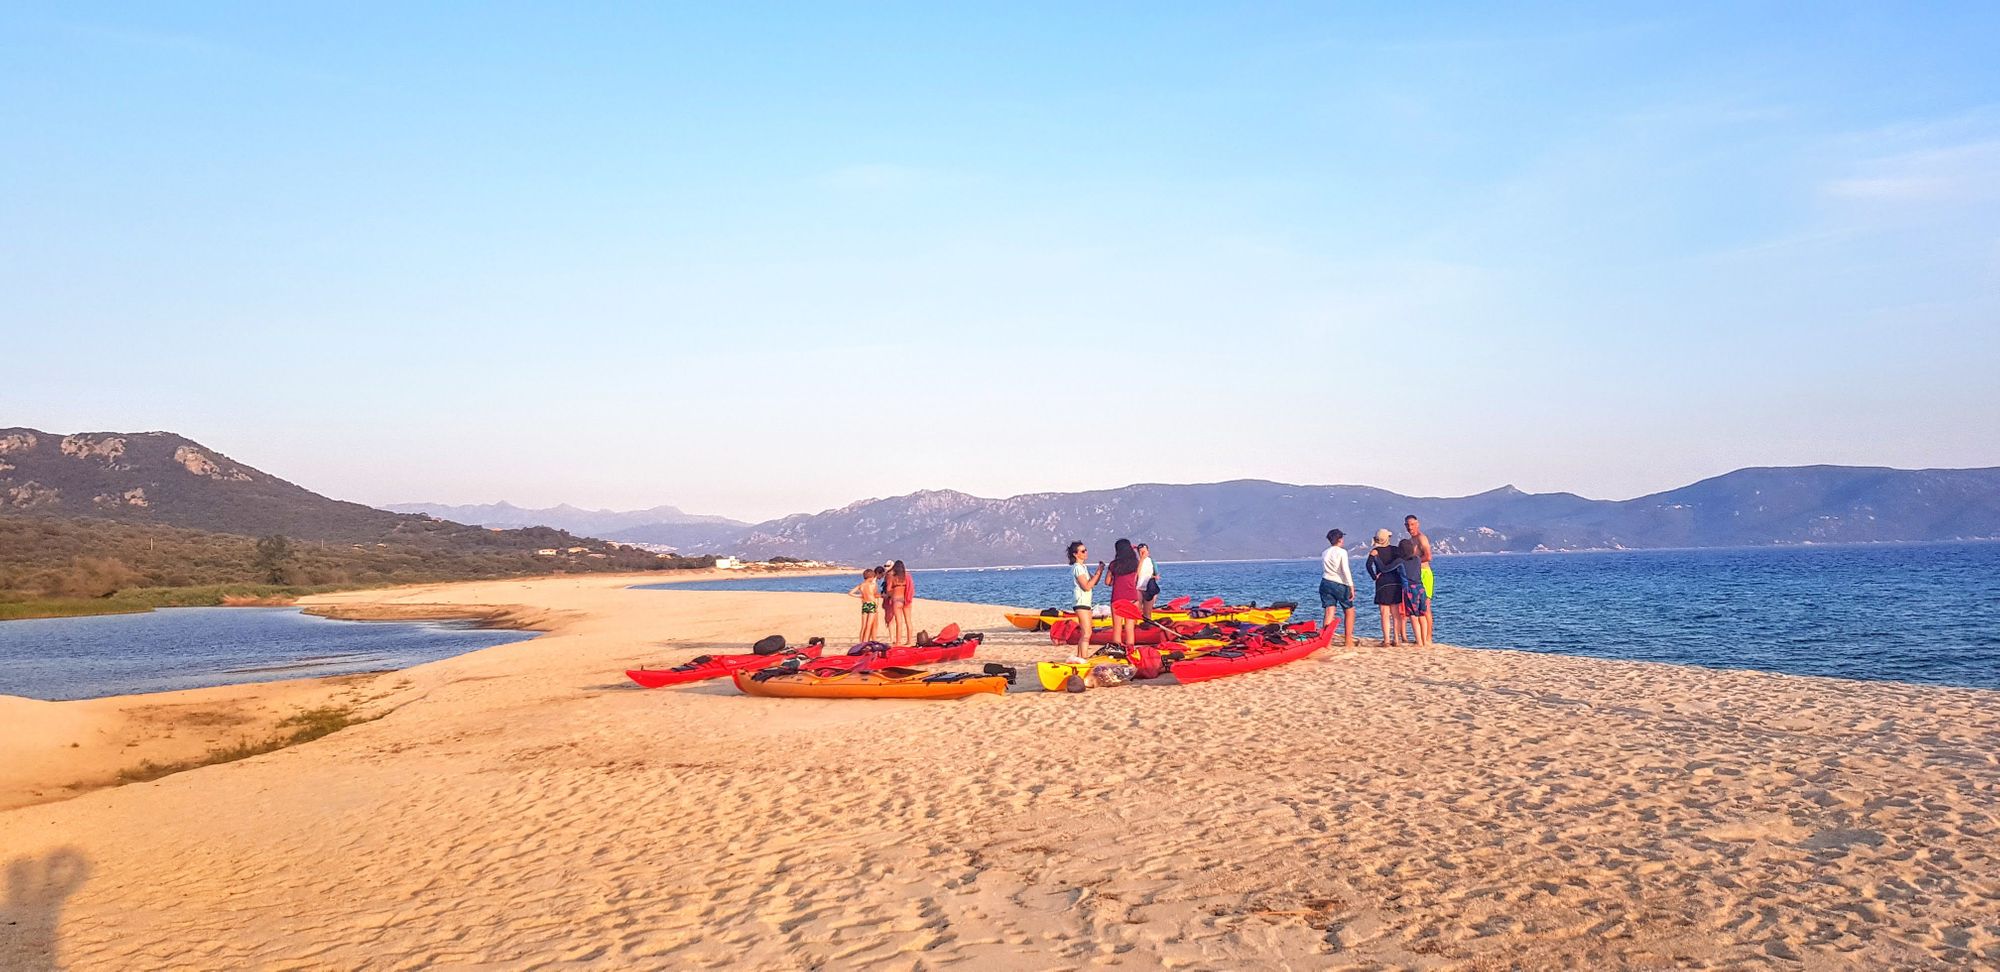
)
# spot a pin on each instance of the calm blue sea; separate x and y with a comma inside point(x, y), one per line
point(179, 648)
point(1908, 612)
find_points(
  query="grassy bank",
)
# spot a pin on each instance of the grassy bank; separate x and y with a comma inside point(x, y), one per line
point(304, 727)
point(137, 600)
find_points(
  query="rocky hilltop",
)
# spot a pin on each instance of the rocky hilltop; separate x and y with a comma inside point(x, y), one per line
point(165, 479)
point(93, 512)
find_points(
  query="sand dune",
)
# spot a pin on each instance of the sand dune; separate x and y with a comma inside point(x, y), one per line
point(526, 806)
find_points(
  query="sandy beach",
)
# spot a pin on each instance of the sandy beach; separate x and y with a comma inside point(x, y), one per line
point(526, 806)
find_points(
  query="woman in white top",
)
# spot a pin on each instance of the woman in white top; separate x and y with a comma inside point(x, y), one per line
point(1082, 580)
point(1147, 575)
point(1336, 586)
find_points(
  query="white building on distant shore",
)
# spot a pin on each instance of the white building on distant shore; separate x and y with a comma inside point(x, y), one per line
point(727, 563)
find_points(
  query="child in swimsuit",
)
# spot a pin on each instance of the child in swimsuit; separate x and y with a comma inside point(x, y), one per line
point(871, 602)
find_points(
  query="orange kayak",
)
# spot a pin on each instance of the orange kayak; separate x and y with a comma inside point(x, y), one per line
point(881, 683)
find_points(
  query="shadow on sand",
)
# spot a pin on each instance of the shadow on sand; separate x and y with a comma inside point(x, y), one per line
point(37, 888)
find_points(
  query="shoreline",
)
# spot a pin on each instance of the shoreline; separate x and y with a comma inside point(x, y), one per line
point(523, 618)
point(524, 803)
point(112, 736)
point(272, 701)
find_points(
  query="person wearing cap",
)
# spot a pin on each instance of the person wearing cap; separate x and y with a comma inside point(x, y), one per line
point(1336, 586)
point(1383, 567)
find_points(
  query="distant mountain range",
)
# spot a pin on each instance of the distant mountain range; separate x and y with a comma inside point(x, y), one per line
point(660, 525)
point(1256, 519)
point(158, 478)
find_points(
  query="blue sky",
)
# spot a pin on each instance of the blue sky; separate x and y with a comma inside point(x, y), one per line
point(761, 259)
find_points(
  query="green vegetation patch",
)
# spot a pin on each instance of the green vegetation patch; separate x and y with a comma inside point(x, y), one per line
point(65, 607)
point(56, 567)
point(306, 726)
point(136, 600)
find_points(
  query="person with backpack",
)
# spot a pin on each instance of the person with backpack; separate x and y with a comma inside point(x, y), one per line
point(1336, 586)
point(898, 593)
point(1082, 583)
point(1384, 569)
point(1125, 611)
point(1149, 582)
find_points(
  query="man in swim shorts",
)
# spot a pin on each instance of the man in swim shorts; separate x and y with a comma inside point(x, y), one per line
point(1416, 530)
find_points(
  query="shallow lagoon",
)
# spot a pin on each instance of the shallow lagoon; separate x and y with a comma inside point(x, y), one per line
point(182, 648)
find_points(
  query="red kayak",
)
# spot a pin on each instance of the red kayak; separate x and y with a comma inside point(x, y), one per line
point(1145, 633)
point(1237, 630)
point(715, 666)
point(1258, 652)
point(950, 647)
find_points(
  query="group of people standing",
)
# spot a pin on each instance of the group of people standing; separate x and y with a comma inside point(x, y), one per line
point(1403, 580)
point(1401, 571)
point(886, 593)
point(1135, 582)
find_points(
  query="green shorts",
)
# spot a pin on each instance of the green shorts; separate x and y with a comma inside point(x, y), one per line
point(867, 607)
point(1430, 582)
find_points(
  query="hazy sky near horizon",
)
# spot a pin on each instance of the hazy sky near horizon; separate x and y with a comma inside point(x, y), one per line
point(761, 259)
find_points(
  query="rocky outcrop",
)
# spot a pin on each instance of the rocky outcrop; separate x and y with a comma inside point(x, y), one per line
point(31, 494)
point(199, 463)
point(17, 442)
point(107, 450)
point(135, 496)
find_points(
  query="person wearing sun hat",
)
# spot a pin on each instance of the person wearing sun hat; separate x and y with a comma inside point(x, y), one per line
point(1382, 564)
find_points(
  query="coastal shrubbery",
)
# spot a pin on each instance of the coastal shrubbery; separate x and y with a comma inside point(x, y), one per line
point(58, 567)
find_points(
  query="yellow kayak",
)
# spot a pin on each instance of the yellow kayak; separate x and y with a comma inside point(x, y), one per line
point(1275, 614)
point(1055, 676)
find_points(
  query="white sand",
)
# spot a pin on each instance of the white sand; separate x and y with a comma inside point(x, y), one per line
point(525, 805)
